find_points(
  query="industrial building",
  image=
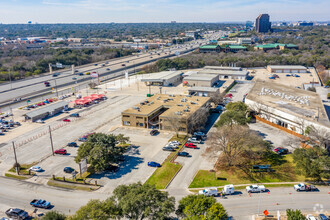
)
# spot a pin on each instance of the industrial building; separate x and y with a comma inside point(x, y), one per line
point(201, 80)
point(286, 69)
point(47, 111)
point(209, 49)
point(262, 24)
point(231, 68)
point(165, 112)
point(203, 91)
point(287, 108)
point(165, 78)
point(226, 74)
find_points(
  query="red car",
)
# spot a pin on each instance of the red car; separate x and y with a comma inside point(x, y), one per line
point(278, 149)
point(66, 120)
point(190, 145)
point(60, 151)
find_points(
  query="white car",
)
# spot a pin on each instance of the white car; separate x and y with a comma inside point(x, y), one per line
point(310, 217)
point(193, 140)
point(36, 169)
point(255, 188)
point(40, 121)
point(175, 142)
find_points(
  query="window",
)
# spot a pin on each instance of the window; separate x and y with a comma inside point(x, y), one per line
point(126, 122)
point(141, 124)
point(138, 117)
point(125, 116)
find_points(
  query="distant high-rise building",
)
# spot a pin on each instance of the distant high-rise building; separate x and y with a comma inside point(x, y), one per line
point(262, 23)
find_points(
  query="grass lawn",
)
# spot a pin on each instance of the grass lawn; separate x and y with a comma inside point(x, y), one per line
point(16, 176)
point(72, 186)
point(163, 175)
point(24, 169)
point(283, 173)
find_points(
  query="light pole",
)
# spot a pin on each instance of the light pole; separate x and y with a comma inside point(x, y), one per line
point(56, 88)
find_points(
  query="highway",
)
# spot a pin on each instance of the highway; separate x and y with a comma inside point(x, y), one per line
point(27, 88)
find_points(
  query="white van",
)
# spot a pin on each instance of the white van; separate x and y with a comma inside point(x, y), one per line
point(228, 189)
point(213, 191)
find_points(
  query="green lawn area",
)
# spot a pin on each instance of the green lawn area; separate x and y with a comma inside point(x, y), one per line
point(72, 186)
point(16, 176)
point(24, 169)
point(163, 175)
point(283, 173)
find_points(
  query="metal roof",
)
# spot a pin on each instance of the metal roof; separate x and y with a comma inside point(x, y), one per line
point(223, 72)
point(48, 108)
point(200, 77)
point(203, 89)
point(161, 76)
point(223, 68)
point(287, 67)
point(209, 47)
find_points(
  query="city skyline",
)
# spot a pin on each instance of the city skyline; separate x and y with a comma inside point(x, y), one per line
point(129, 11)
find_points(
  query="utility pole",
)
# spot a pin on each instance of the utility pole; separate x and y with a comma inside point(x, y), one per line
point(51, 140)
point(56, 88)
point(15, 158)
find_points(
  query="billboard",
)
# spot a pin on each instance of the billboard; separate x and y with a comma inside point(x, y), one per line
point(83, 166)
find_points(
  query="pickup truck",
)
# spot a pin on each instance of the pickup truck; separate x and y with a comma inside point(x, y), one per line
point(255, 188)
point(213, 191)
point(303, 187)
point(40, 203)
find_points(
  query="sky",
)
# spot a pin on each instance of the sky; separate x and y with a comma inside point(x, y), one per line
point(136, 11)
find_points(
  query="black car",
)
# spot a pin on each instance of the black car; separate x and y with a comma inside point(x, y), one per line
point(183, 154)
point(168, 149)
point(154, 132)
point(282, 151)
point(74, 115)
point(17, 213)
point(68, 170)
point(72, 144)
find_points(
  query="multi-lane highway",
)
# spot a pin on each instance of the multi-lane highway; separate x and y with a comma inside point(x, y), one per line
point(28, 88)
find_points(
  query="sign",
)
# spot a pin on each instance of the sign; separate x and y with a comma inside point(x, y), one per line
point(73, 175)
point(266, 212)
point(95, 75)
point(83, 165)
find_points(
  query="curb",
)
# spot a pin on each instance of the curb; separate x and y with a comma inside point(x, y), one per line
point(173, 177)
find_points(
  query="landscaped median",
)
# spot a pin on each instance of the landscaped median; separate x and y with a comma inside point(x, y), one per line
point(164, 174)
point(24, 172)
point(283, 173)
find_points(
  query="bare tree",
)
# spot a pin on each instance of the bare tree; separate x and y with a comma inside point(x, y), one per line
point(198, 120)
point(319, 136)
point(217, 98)
point(175, 122)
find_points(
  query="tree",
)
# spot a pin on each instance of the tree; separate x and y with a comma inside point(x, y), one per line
point(174, 122)
point(231, 117)
point(319, 136)
point(96, 209)
point(217, 98)
point(294, 214)
point(237, 106)
point(312, 162)
point(100, 150)
point(53, 215)
point(198, 120)
point(200, 207)
point(139, 201)
point(216, 212)
point(122, 139)
point(238, 145)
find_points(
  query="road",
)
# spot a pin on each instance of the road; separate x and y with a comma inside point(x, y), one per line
point(28, 87)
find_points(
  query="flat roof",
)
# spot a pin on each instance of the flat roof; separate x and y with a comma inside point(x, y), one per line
point(48, 108)
point(161, 76)
point(223, 72)
point(287, 67)
point(298, 102)
point(174, 103)
point(209, 47)
point(203, 89)
point(223, 68)
point(200, 77)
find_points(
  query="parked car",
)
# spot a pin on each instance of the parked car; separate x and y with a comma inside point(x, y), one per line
point(190, 145)
point(60, 151)
point(17, 213)
point(154, 132)
point(35, 169)
point(154, 164)
point(75, 115)
point(255, 188)
point(66, 120)
point(200, 134)
point(68, 170)
point(72, 144)
point(194, 140)
point(228, 189)
point(174, 142)
point(323, 217)
point(40, 121)
point(40, 203)
point(108, 69)
point(310, 217)
point(183, 154)
point(282, 151)
point(82, 139)
point(166, 148)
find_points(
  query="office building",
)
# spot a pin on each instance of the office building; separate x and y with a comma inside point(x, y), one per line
point(262, 24)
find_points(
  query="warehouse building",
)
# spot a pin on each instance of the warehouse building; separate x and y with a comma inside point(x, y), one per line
point(165, 78)
point(203, 91)
point(223, 68)
point(165, 112)
point(226, 74)
point(47, 111)
point(286, 69)
point(287, 108)
point(209, 49)
point(201, 80)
